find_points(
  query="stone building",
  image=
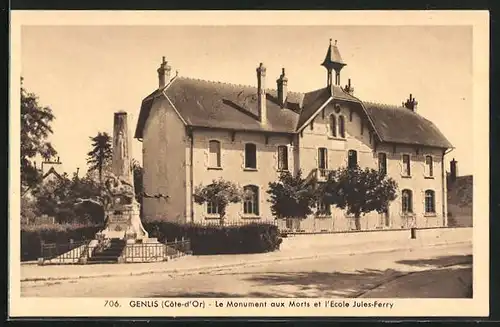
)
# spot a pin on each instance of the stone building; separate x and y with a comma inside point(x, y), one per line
point(194, 131)
point(50, 170)
point(460, 197)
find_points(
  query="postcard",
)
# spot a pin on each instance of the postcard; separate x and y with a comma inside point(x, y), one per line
point(251, 164)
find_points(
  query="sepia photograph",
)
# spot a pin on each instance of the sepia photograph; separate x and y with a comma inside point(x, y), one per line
point(221, 165)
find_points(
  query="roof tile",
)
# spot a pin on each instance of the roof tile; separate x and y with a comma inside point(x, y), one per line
point(221, 105)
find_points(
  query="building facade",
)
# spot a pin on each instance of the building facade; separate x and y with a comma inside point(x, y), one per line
point(194, 131)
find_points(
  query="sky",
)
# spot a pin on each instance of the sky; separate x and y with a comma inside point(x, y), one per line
point(86, 73)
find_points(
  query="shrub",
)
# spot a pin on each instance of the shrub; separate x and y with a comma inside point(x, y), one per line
point(251, 238)
point(33, 235)
point(214, 239)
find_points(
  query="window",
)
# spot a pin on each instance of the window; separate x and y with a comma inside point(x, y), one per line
point(352, 159)
point(322, 158)
point(212, 208)
point(322, 209)
point(429, 166)
point(430, 206)
point(406, 165)
point(214, 153)
point(406, 201)
point(251, 202)
point(342, 126)
point(250, 156)
point(333, 126)
point(282, 157)
point(382, 163)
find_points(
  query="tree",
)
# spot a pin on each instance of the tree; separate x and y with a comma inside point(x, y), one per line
point(359, 191)
point(60, 198)
point(101, 153)
point(219, 194)
point(35, 130)
point(291, 196)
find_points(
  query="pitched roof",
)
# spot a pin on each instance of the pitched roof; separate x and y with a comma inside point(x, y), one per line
point(333, 55)
point(401, 125)
point(221, 105)
point(211, 104)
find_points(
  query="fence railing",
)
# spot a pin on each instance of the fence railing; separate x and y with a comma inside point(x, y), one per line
point(110, 250)
point(146, 252)
point(226, 223)
point(70, 252)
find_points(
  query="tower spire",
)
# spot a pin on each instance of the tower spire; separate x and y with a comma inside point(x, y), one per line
point(333, 62)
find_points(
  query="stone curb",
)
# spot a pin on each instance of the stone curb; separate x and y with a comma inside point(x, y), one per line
point(223, 267)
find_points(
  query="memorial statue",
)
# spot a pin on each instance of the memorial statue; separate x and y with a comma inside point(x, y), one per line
point(118, 195)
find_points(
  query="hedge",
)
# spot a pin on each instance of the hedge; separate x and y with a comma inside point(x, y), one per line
point(33, 235)
point(251, 238)
point(214, 239)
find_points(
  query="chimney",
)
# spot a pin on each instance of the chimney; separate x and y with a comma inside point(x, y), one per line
point(261, 93)
point(163, 74)
point(410, 103)
point(348, 88)
point(282, 88)
point(453, 170)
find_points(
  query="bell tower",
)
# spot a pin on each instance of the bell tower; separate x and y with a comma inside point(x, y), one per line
point(333, 62)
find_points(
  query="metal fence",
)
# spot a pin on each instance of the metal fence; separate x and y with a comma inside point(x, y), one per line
point(106, 251)
point(70, 252)
point(247, 221)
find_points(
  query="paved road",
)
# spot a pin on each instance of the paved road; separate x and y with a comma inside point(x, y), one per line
point(441, 271)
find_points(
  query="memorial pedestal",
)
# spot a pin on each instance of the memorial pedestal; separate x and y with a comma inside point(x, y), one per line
point(124, 222)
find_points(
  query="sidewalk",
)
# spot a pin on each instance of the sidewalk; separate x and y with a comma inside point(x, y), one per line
point(203, 264)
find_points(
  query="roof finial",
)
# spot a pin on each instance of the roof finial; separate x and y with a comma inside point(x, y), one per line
point(330, 41)
point(335, 42)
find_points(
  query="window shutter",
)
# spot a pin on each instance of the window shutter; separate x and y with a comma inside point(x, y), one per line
point(206, 158)
point(276, 159)
point(242, 155)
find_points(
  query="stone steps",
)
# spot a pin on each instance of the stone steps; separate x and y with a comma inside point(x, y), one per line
point(110, 254)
